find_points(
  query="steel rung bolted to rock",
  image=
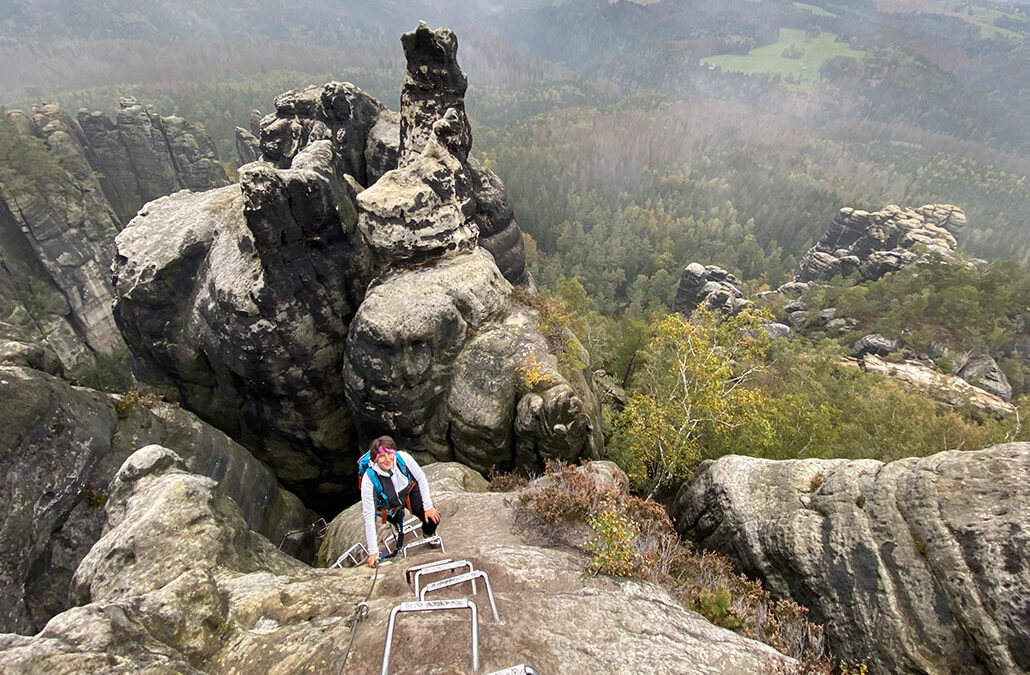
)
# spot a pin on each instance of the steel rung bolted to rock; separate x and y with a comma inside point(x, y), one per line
point(410, 572)
point(460, 579)
point(520, 669)
point(350, 554)
point(425, 542)
point(434, 606)
point(442, 567)
point(411, 525)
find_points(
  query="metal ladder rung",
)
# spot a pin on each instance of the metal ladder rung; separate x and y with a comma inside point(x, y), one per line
point(432, 606)
point(350, 554)
point(425, 542)
point(410, 572)
point(410, 526)
point(442, 567)
point(460, 579)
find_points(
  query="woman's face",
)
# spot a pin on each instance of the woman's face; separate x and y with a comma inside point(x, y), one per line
point(385, 460)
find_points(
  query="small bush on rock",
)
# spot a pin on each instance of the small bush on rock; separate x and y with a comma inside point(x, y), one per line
point(633, 537)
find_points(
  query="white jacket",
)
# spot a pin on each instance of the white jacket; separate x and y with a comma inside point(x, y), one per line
point(368, 506)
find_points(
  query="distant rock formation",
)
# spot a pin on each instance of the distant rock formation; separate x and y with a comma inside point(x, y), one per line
point(180, 583)
point(952, 391)
point(711, 286)
point(873, 244)
point(916, 566)
point(59, 449)
point(239, 305)
point(142, 155)
point(57, 239)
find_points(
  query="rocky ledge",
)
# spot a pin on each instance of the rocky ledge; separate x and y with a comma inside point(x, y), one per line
point(916, 566)
point(179, 584)
point(875, 243)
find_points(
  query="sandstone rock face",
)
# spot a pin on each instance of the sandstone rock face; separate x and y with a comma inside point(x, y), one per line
point(423, 210)
point(874, 244)
point(916, 566)
point(179, 584)
point(434, 352)
point(553, 617)
point(711, 286)
point(56, 243)
point(238, 300)
point(248, 147)
point(337, 112)
point(59, 449)
point(435, 84)
point(143, 155)
point(239, 305)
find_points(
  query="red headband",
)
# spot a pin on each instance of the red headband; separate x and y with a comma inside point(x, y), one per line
point(382, 448)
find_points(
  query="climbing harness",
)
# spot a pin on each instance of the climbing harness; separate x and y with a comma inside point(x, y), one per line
point(359, 615)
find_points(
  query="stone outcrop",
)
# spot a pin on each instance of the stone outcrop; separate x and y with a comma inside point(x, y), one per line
point(179, 584)
point(60, 446)
point(954, 392)
point(982, 371)
point(916, 566)
point(237, 301)
point(142, 155)
point(711, 286)
point(875, 344)
point(337, 112)
point(56, 243)
point(248, 147)
point(435, 351)
point(239, 305)
point(873, 244)
point(56, 235)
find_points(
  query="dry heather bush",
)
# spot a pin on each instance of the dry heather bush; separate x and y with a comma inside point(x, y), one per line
point(506, 482)
point(635, 537)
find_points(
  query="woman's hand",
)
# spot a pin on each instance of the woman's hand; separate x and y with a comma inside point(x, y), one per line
point(373, 559)
point(433, 515)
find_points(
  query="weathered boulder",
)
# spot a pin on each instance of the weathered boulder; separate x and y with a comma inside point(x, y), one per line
point(711, 286)
point(17, 348)
point(423, 210)
point(874, 343)
point(982, 371)
point(337, 112)
point(236, 301)
point(873, 244)
point(59, 449)
point(916, 566)
point(248, 147)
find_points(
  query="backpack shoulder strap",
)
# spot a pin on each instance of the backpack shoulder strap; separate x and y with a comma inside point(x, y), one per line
point(403, 467)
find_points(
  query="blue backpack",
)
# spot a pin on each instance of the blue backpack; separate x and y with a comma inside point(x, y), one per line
point(381, 501)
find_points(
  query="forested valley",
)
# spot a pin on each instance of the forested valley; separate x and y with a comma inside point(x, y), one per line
point(723, 133)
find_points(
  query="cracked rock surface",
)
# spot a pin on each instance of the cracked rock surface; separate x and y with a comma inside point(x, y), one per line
point(921, 565)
